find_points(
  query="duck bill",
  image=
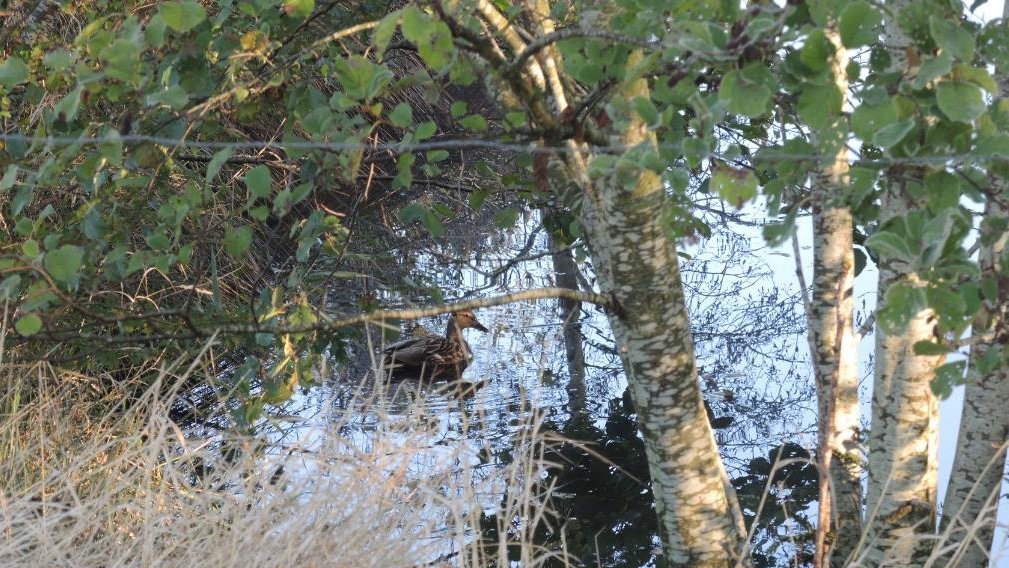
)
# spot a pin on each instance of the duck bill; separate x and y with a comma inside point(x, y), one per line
point(478, 325)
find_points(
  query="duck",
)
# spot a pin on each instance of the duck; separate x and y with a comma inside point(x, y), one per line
point(431, 356)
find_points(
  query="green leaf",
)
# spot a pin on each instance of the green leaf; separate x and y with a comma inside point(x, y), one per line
point(175, 97)
point(820, 106)
point(182, 16)
point(902, 303)
point(506, 218)
point(30, 248)
point(950, 37)
point(890, 245)
point(258, 181)
point(300, 9)
point(414, 212)
point(867, 120)
point(10, 287)
point(857, 24)
point(735, 186)
point(474, 122)
point(888, 136)
point(932, 68)
point(647, 110)
point(10, 176)
point(13, 71)
point(237, 240)
point(402, 115)
point(28, 325)
point(58, 59)
point(946, 377)
point(62, 264)
point(746, 92)
point(383, 33)
point(214, 167)
point(817, 51)
point(925, 347)
point(425, 130)
point(977, 75)
point(962, 102)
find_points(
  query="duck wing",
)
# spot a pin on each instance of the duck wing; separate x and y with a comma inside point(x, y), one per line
point(423, 351)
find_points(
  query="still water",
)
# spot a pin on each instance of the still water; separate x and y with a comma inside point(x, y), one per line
point(752, 367)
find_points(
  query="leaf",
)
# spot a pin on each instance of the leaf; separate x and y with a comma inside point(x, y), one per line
point(820, 106)
point(946, 377)
point(383, 33)
point(925, 347)
point(237, 240)
point(28, 325)
point(647, 110)
point(746, 92)
point(182, 16)
point(214, 167)
point(867, 120)
point(300, 9)
point(62, 264)
point(474, 122)
point(10, 287)
point(13, 72)
point(10, 176)
point(816, 51)
point(31, 248)
point(857, 24)
point(951, 38)
point(402, 115)
point(175, 97)
point(506, 218)
point(932, 68)
point(258, 181)
point(415, 211)
point(890, 245)
point(735, 186)
point(888, 136)
point(962, 102)
point(902, 303)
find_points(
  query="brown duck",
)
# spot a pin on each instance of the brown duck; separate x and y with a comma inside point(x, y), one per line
point(431, 356)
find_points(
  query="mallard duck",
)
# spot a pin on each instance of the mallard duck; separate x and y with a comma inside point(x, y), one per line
point(433, 357)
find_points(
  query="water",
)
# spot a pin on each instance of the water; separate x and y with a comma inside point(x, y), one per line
point(751, 362)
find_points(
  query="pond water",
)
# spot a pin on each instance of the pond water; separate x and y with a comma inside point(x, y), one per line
point(752, 368)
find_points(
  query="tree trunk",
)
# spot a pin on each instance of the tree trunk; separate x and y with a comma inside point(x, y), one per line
point(903, 436)
point(976, 480)
point(637, 263)
point(836, 350)
point(972, 498)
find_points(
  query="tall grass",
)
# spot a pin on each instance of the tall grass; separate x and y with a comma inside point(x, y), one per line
point(99, 475)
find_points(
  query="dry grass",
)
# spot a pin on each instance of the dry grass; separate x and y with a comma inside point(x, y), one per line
point(93, 480)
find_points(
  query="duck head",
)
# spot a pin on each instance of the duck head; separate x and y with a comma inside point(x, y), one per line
point(466, 318)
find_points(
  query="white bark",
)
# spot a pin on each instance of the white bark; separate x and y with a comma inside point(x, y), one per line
point(904, 431)
point(836, 350)
point(637, 262)
point(976, 480)
point(900, 511)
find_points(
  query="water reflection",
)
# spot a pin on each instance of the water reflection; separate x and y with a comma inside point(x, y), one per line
point(551, 367)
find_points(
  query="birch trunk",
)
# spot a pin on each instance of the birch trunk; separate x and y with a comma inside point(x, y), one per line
point(903, 436)
point(972, 498)
point(637, 263)
point(975, 483)
point(836, 350)
point(900, 511)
